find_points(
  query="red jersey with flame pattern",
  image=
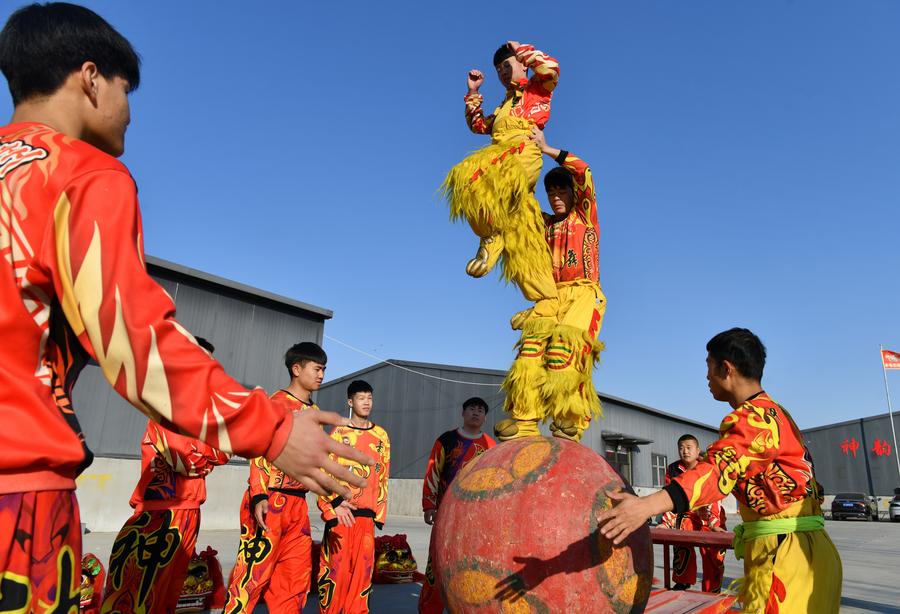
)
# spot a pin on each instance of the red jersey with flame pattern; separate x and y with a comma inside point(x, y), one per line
point(703, 518)
point(759, 457)
point(264, 476)
point(173, 470)
point(451, 452)
point(575, 240)
point(374, 442)
point(73, 286)
point(529, 99)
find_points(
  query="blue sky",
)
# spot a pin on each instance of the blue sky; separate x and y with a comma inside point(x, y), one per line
point(746, 156)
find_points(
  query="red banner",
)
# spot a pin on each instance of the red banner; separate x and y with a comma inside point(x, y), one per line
point(890, 360)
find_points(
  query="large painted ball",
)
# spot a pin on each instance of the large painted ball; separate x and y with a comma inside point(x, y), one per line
point(517, 532)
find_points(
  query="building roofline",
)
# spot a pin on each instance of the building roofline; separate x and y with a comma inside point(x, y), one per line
point(501, 373)
point(845, 423)
point(165, 265)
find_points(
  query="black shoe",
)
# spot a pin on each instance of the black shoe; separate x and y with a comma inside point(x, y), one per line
point(681, 586)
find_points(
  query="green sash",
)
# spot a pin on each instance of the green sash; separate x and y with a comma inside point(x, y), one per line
point(777, 526)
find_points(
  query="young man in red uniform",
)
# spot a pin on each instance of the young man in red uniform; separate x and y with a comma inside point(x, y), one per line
point(151, 553)
point(452, 451)
point(275, 554)
point(790, 563)
point(73, 287)
point(706, 518)
point(347, 558)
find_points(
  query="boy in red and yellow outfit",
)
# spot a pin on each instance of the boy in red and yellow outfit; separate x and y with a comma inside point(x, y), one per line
point(493, 188)
point(275, 553)
point(151, 553)
point(706, 518)
point(347, 557)
point(790, 563)
point(74, 288)
point(552, 376)
point(452, 451)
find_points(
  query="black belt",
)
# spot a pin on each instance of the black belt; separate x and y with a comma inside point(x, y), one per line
point(363, 513)
point(295, 492)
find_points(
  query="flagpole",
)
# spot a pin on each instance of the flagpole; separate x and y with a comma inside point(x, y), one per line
point(887, 392)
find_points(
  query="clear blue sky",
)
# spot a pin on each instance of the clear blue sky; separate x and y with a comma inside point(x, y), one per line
point(746, 154)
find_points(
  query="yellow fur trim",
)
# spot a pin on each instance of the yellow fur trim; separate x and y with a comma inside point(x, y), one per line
point(569, 389)
point(526, 376)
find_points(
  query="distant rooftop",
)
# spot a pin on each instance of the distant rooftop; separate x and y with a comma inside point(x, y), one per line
point(408, 364)
point(158, 265)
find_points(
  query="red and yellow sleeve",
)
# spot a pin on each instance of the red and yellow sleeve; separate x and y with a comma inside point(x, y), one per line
point(546, 69)
point(383, 477)
point(585, 195)
point(475, 119)
point(126, 322)
point(187, 456)
point(432, 483)
point(748, 444)
point(260, 470)
point(325, 503)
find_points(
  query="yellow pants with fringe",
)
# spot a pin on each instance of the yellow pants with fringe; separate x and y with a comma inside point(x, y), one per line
point(493, 189)
point(552, 375)
point(793, 572)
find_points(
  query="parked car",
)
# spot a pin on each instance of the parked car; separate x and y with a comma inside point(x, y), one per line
point(894, 509)
point(854, 505)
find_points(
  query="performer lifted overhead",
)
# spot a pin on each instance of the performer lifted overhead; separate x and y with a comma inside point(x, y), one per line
point(552, 376)
point(790, 563)
point(493, 188)
point(74, 288)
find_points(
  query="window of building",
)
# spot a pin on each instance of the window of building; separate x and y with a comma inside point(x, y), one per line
point(659, 470)
point(619, 457)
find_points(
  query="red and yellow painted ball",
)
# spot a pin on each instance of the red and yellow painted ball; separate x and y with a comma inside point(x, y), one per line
point(517, 533)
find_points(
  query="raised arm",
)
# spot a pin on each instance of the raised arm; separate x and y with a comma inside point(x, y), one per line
point(545, 68)
point(475, 119)
point(585, 196)
point(126, 322)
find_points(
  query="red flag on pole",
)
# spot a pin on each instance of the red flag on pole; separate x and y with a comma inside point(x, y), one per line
point(890, 360)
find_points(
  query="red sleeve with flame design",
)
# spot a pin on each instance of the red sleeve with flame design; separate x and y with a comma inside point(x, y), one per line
point(260, 469)
point(475, 119)
point(749, 442)
point(383, 477)
point(585, 196)
point(125, 320)
point(185, 455)
point(546, 69)
point(432, 483)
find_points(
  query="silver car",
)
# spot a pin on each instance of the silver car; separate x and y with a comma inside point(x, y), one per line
point(894, 509)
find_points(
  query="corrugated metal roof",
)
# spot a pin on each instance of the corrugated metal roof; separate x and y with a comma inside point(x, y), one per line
point(221, 282)
point(408, 364)
point(846, 422)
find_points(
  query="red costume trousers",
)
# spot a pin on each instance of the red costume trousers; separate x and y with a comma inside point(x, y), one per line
point(684, 563)
point(346, 563)
point(430, 599)
point(40, 552)
point(275, 564)
point(149, 561)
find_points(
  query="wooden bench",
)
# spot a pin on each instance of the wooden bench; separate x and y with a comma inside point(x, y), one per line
point(666, 601)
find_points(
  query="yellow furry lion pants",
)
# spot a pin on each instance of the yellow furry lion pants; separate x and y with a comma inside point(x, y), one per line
point(552, 375)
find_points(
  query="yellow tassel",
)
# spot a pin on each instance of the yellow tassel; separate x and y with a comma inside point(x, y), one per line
point(569, 389)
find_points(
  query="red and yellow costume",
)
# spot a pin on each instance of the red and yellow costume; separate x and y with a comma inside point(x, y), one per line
point(760, 458)
point(450, 453)
point(493, 188)
point(151, 553)
point(347, 556)
point(73, 287)
point(274, 563)
point(552, 375)
point(704, 518)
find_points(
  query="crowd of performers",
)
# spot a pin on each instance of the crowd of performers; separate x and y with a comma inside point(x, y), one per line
point(74, 289)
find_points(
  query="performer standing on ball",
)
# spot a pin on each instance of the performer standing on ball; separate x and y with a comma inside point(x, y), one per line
point(452, 451)
point(166, 506)
point(74, 288)
point(552, 375)
point(790, 563)
point(275, 552)
point(705, 518)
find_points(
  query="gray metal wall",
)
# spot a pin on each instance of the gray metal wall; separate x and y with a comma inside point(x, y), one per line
point(866, 471)
point(415, 410)
point(250, 334)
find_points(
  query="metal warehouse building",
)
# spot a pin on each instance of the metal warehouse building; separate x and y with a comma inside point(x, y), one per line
point(856, 456)
point(416, 402)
